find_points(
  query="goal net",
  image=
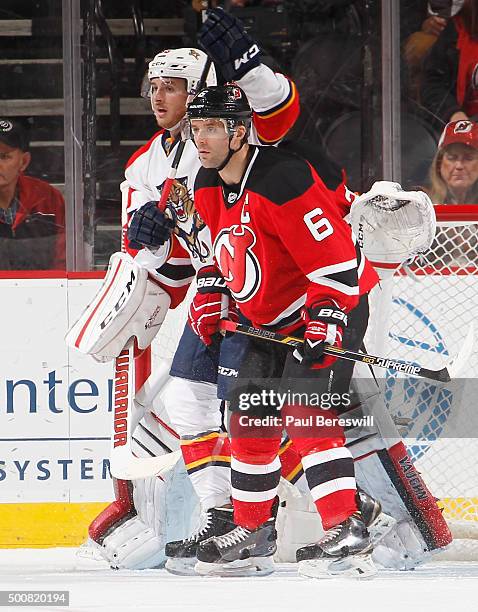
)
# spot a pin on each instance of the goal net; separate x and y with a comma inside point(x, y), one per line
point(423, 315)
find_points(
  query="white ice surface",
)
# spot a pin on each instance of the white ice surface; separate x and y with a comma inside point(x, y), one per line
point(436, 587)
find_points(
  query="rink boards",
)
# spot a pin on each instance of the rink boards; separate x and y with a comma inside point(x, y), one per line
point(55, 412)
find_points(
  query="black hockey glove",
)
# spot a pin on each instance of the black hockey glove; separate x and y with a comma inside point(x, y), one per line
point(324, 325)
point(149, 227)
point(225, 40)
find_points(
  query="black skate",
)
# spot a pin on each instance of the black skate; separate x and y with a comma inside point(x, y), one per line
point(241, 552)
point(182, 553)
point(377, 522)
point(344, 551)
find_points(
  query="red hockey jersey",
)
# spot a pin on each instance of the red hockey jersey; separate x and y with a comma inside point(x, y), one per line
point(280, 241)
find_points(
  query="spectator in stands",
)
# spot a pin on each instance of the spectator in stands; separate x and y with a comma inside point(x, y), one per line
point(454, 180)
point(454, 170)
point(431, 18)
point(32, 212)
point(450, 78)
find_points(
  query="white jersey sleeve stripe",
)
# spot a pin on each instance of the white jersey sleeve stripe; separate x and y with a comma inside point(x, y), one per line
point(340, 287)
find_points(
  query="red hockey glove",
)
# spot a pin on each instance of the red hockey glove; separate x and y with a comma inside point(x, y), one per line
point(207, 305)
point(324, 325)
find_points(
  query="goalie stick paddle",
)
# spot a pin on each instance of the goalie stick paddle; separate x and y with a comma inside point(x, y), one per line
point(128, 411)
point(443, 375)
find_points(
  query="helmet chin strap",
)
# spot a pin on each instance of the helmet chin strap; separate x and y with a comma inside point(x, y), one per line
point(230, 153)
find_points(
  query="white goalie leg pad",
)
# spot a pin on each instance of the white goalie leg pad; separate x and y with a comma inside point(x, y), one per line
point(134, 545)
point(194, 411)
point(129, 304)
point(402, 548)
point(384, 470)
point(167, 504)
point(166, 509)
point(298, 522)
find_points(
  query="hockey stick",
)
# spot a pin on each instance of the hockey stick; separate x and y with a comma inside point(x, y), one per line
point(123, 463)
point(443, 375)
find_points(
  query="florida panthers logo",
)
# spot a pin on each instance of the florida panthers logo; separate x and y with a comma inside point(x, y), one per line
point(188, 222)
point(238, 264)
point(181, 199)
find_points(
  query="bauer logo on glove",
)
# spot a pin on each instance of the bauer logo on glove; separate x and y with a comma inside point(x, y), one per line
point(324, 326)
point(211, 303)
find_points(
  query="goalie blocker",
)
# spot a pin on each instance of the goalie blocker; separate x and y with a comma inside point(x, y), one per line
point(130, 304)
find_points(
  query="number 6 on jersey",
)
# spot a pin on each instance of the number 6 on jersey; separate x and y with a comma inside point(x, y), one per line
point(321, 227)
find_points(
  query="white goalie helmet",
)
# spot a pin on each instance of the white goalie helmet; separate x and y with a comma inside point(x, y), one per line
point(185, 63)
point(392, 225)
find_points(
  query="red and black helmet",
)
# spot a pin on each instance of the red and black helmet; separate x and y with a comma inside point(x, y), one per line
point(224, 102)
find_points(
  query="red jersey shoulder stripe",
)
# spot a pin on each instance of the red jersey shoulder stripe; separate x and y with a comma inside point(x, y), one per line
point(143, 149)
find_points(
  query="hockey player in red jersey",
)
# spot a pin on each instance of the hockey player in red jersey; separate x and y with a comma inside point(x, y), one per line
point(290, 262)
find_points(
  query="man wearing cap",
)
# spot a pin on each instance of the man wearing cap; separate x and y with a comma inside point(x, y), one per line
point(32, 212)
point(454, 170)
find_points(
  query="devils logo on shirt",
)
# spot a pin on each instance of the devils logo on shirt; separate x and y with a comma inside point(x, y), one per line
point(238, 264)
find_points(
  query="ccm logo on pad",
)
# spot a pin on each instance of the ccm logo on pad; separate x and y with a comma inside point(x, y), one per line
point(120, 302)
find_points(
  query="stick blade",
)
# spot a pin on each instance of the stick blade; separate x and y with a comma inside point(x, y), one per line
point(129, 467)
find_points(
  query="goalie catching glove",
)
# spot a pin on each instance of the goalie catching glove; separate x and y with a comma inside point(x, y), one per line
point(392, 225)
point(149, 227)
point(324, 325)
point(211, 303)
point(225, 40)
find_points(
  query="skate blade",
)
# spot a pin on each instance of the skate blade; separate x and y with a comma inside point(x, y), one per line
point(381, 527)
point(181, 567)
point(254, 566)
point(355, 566)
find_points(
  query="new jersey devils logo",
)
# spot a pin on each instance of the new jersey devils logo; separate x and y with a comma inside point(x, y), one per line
point(238, 264)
